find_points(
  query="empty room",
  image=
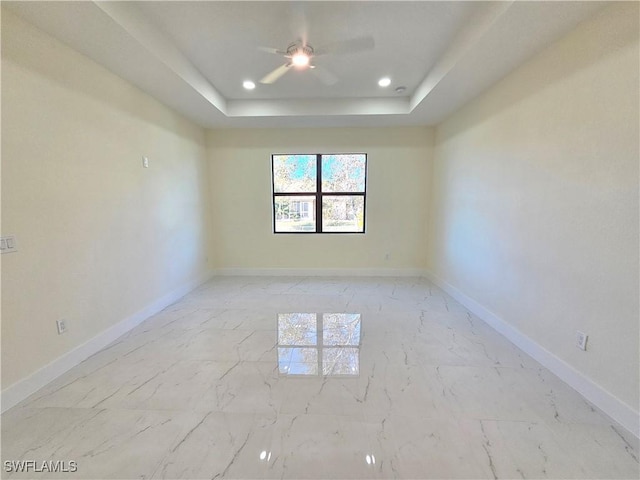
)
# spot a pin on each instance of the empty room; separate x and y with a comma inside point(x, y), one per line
point(320, 240)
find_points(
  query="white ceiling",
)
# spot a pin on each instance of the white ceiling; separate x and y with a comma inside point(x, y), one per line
point(194, 56)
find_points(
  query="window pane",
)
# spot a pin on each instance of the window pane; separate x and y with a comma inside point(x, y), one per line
point(295, 214)
point(340, 361)
point(343, 213)
point(294, 173)
point(298, 361)
point(297, 329)
point(341, 329)
point(343, 173)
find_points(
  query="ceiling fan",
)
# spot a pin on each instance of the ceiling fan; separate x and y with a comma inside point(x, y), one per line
point(300, 54)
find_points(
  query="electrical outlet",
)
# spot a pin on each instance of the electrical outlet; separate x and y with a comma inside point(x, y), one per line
point(581, 340)
point(145, 162)
point(61, 326)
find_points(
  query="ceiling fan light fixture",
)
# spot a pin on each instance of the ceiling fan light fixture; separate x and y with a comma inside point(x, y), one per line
point(248, 85)
point(300, 54)
point(300, 59)
point(384, 82)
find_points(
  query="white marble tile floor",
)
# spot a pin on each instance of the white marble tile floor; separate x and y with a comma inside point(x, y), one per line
point(314, 378)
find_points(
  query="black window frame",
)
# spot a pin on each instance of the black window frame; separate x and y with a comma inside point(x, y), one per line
point(318, 194)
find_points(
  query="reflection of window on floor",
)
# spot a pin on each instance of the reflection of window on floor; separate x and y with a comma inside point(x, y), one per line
point(319, 344)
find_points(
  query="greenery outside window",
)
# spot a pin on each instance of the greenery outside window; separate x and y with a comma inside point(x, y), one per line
point(319, 193)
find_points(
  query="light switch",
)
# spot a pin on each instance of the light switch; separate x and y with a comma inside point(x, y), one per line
point(8, 244)
point(145, 162)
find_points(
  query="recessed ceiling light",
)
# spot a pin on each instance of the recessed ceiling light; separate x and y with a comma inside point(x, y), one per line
point(384, 82)
point(248, 84)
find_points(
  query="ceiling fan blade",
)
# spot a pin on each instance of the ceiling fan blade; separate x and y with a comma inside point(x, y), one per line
point(272, 50)
point(269, 78)
point(324, 75)
point(355, 45)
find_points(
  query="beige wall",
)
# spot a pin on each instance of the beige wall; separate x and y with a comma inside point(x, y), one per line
point(398, 179)
point(99, 237)
point(532, 194)
point(535, 199)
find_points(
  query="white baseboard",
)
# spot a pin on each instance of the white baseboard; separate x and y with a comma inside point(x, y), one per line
point(321, 272)
point(20, 390)
point(596, 394)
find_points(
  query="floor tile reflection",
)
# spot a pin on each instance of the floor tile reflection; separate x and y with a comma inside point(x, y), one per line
point(315, 378)
point(325, 344)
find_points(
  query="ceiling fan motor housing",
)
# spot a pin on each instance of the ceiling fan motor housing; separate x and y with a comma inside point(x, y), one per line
point(298, 49)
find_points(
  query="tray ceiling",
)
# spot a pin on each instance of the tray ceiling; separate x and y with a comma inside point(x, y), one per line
point(195, 56)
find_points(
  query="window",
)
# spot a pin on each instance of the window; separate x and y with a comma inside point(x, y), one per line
point(319, 193)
